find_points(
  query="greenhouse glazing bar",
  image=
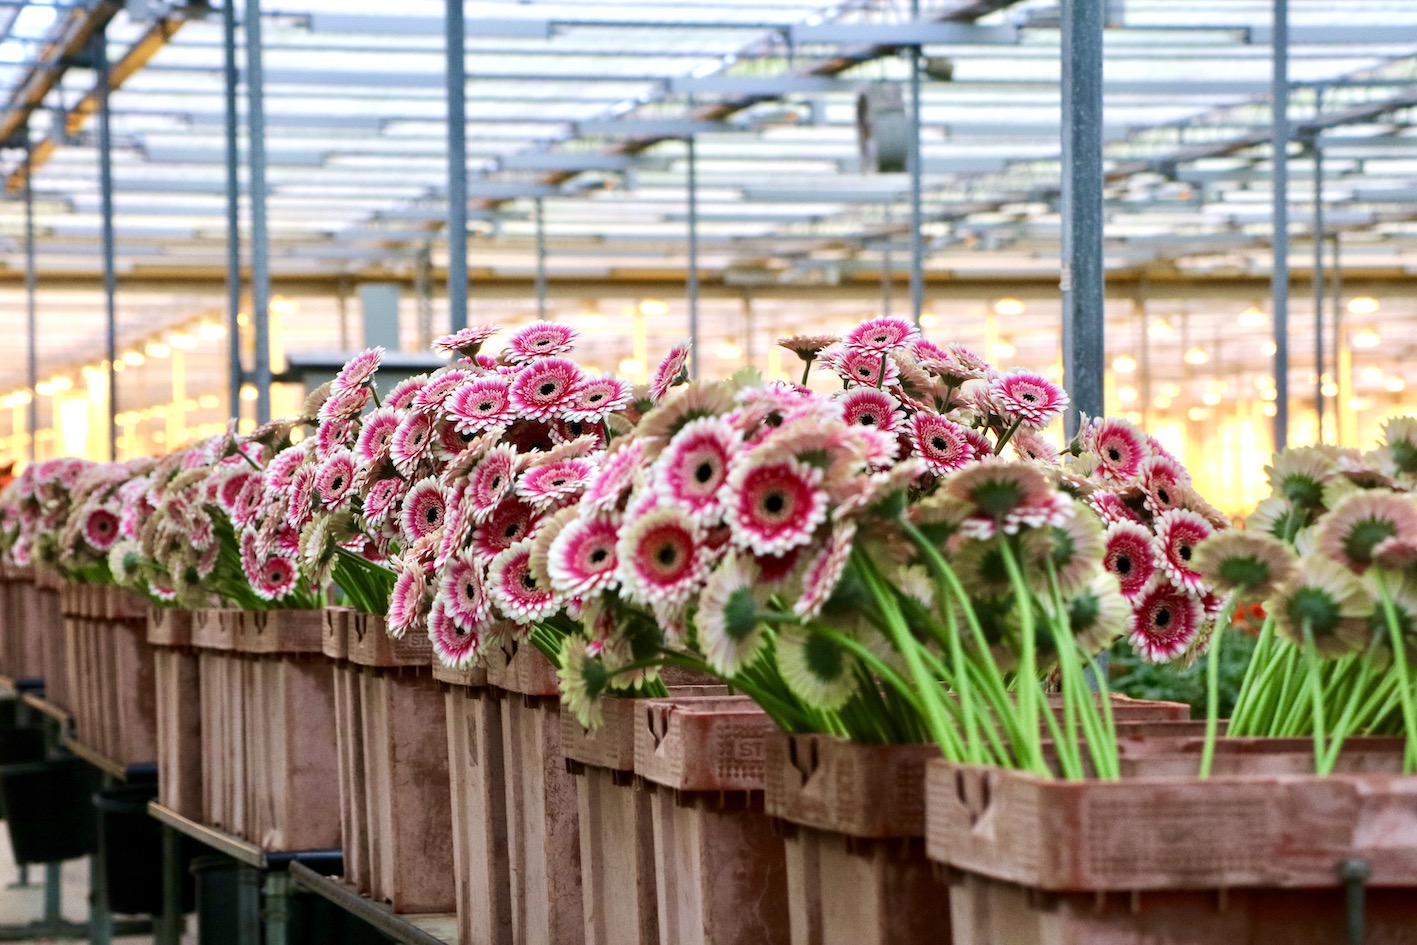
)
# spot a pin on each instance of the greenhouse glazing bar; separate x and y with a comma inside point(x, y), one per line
point(31, 291)
point(1318, 279)
point(233, 211)
point(1279, 279)
point(917, 236)
point(457, 166)
point(260, 269)
point(110, 277)
point(692, 282)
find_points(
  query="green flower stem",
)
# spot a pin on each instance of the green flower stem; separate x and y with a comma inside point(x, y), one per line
point(1343, 726)
point(1078, 703)
point(1404, 681)
point(1069, 756)
point(1316, 701)
point(1381, 703)
point(1259, 658)
point(952, 705)
point(876, 664)
point(1280, 712)
point(1212, 686)
point(1008, 435)
point(1026, 679)
point(1109, 721)
point(973, 749)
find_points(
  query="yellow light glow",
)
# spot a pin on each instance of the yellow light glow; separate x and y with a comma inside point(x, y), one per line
point(1264, 382)
point(248, 392)
point(1126, 395)
point(929, 320)
point(159, 436)
point(284, 306)
point(1269, 348)
point(1197, 356)
point(119, 367)
point(44, 389)
point(1210, 398)
point(654, 307)
point(1269, 393)
point(1197, 414)
point(21, 398)
point(208, 402)
point(631, 368)
point(1171, 390)
point(134, 358)
point(1395, 384)
point(1008, 307)
point(1159, 329)
point(591, 320)
point(1269, 410)
point(1253, 317)
point(1372, 374)
point(61, 382)
point(1161, 402)
point(1363, 305)
point(1003, 350)
point(242, 319)
point(729, 351)
point(1367, 338)
point(1359, 403)
point(156, 349)
point(211, 331)
point(1124, 364)
point(181, 340)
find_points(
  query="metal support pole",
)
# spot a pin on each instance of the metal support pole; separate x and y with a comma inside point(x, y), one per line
point(1279, 278)
point(248, 905)
point(457, 166)
point(31, 293)
point(1318, 289)
point(277, 907)
point(110, 277)
point(540, 261)
point(1337, 333)
point(256, 155)
point(1083, 278)
point(169, 925)
point(917, 236)
point(693, 265)
point(887, 279)
point(53, 895)
point(100, 917)
point(233, 213)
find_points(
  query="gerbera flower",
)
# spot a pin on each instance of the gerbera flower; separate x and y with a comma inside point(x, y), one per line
point(100, 529)
point(282, 468)
point(944, 446)
point(692, 470)
point(672, 371)
point(466, 341)
point(405, 392)
point(1278, 517)
point(1354, 527)
point(1120, 448)
point(358, 371)
point(1075, 547)
point(481, 404)
point(1400, 438)
point(413, 442)
point(1130, 555)
point(660, 556)
point(730, 631)
point(548, 484)
point(773, 506)
point(1098, 614)
point(581, 560)
point(1034, 447)
point(823, 572)
point(983, 571)
point(817, 668)
point(1299, 474)
point(455, 644)
point(449, 442)
point(381, 499)
point(276, 579)
point(408, 602)
point(514, 588)
point(955, 364)
point(1328, 601)
point(333, 435)
point(510, 522)
point(1005, 495)
point(677, 409)
point(1167, 621)
point(807, 347)
point(1251, 563)
point(334, 480)
point(435, 393)
point(868, 407)
point(583, 681)
point(423, 510)
point(344, 405)
point(1027, 399)
point(545, 388)
point(539, 340)
point(596, 397)
point(462, 592)
point(1162, 479)
point(881, 335)
point(1178, 532)
point(863, 368)
point(490, 480)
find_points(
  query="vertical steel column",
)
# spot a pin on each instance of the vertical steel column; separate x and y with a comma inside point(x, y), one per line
point(110, 278)
point(168, 928)
point(457, 166)
point(540, 261)
point(887, 279)
point(277, 909)
point(256, 155)
point(233, 211)
point(917, 237)
point(1083, 279)
point(1318, 288)
point(248, 905)
point(1337, 333)
point(1279, 276)
point(31, 293)
point(693, 265)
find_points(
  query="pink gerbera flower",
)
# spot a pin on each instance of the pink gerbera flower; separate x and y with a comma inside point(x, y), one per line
point(334, 482)
point(955, 363)
point(545, 388)
point(405, 392)
point(101, 529)
point(881, 335)
point(614, 478)
point(358, 371)
point(1120, 449)
point(509, 522)
point(661, 561)
point(1031, 445)
point(1027, 399)
point(1167, 621)
point(413, 442)
point(276, 578)
point(1161, 480)
point(545, 485)
point(490, 480)
point(868, 407)
point(693, 468)
point(1178, 532)
point(481, 404)
point(409, 600)
point(302, 494)
point(515, 589)
point(463, 593)
point(539, 340)
point(448, 442)
point(1130, 555)
point(434, 393)
point(282, 469)
point(382, 498)
point(423, 510)
point(863, 368)
point(825, 570)
point(377, 435)
point(673, 370)
point(230, 487)
point(345, 405)
point(249, 502)
point(465, 342)
point(582, 559)
point(454, 643)
point(596, 398)
point(1110, 508)
point(943, 445)
point(773, 506)
point(333, 435)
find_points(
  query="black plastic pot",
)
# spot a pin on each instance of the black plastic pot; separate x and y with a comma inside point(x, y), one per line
point(50, 811)
point(20, 746)
point(132, 845)
point(215, 878)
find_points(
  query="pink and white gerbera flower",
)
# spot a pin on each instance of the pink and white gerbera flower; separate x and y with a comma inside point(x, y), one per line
point(466, 341)
point(1178, 532)
point(693, 468)
point(1119, 446)
point(100, 529)
point(276, 578)
point(1167, 621)
point(481, 404)
point(1130, 555)
point(596, 398)
point(582, 559)
point(435, 393)
point(539, 340)
point(463, 591)
point(382, 498)
point(943, 445)
point(408, 602)
point(413, 442)
point(660, 556)
point(545, 388)
point(862, 368)
point(376, 436)
point(455, 644)
point(670, 372)
point(825, 569)
point(514, 588)
point(423, 510)
point(614, 478)
point(510, 522)
point(545, 485)
point(405, 392)
point(490, 480)
point(881, 335)
point(868, 407)
point(334, 481)
point(774, 505)
point(1027, 399)
point(358, 371)
point(344, 405)
point(1162, 480)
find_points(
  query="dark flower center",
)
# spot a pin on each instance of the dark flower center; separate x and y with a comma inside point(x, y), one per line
point(667, 555)
point(1366, 535)
point(774, 502)
point(1184, 552)
point(433, 515)
point(547, 389)
point(598, 556)
point(336, 484)
point(939, 443)
point(528, 581)
point(1123, 564)
point(486, 406)
point(1162, 618)
point(704, 471)
point(513, 529)
point(1114, 454)
point(1031, 398)
point(470, 590)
